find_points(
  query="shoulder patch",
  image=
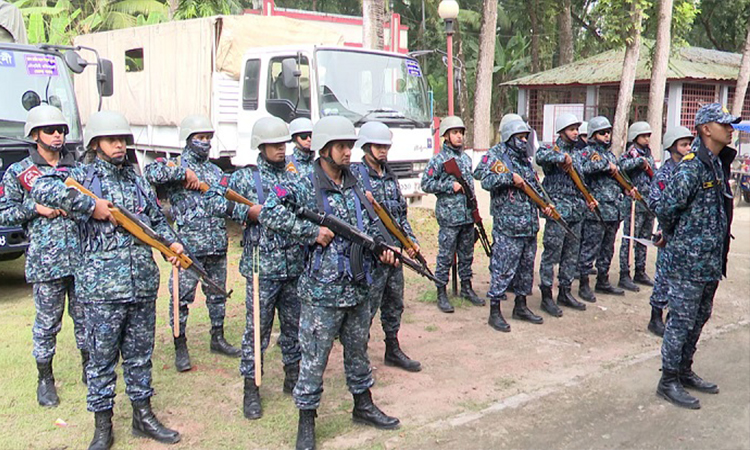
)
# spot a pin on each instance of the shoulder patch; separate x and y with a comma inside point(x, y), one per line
point(28, 177)
point(595, 156)
point(485, 158)
point(291, 168)
point(431, 171)
point(161, 160)
point(280, 191)
point(662, 186)
point(688, 157)
point(224, 181)
point(499, 167)
point(2, 190)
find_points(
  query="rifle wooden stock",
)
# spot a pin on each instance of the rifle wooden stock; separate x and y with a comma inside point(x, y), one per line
point(229, 194)
point(451, 168)
point(398, 232)
point(573, 173)
point(628, 186)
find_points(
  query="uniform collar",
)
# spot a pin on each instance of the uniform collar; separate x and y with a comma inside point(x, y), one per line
point(302, 155)
point(564, 146)
point(387, 173)
point(66, 158)
point(106, 167)
point(451, 149)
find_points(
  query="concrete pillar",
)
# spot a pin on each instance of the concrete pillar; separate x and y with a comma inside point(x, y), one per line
point(674, 104)
point(523, 101)
point(591, 108)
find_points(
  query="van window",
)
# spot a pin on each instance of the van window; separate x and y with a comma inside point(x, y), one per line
point(250, 85)
point(282, 84)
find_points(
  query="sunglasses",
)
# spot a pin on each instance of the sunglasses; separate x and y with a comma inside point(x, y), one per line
point(304, 136)
point(62, 129)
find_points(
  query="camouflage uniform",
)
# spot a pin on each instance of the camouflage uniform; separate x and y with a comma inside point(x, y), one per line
point(456, 234)
point(52, 255)
point(598, 242)
point(117, 280)
point(332, 302)
point(660, 181)
point(300, 162)
point(559, 248)
point(515, 220)
point(632, 163)
point(203, 232)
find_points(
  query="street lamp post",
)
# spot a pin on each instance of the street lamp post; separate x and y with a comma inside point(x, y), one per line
point(448, 11)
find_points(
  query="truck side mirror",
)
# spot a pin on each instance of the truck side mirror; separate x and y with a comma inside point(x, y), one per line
point(290, 73)
point(75, 63)
point(105, 78)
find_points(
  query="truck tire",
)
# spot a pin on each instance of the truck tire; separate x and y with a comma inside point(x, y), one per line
point(10, 256)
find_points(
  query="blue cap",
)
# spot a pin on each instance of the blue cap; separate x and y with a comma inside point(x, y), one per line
point(714, 112)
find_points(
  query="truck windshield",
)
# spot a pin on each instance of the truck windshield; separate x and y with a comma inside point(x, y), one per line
point(369, 86)
point(28, 79)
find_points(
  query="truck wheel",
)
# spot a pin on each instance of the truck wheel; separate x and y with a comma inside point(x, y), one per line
point(10, 256)
point(746, 196)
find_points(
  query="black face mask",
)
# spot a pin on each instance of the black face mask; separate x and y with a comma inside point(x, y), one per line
point(200, 148)
point(517, 144)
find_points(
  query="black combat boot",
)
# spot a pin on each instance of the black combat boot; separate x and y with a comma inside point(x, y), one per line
point(367, 413)
point(690, 380)
point(443, 303)
point(85, 356)
point(145, 424)
point(220, 345)
point(291, 375)
point(181, 355)
point(251, 402)
point(306, 429)
point(395, 357)
point(671, 390)
point(468, 293)
point(548, 303)
point(103, 435)
point(46, 393)
point(496, 320)
point(627, 283)
point(603, 286)
point(565, 298)
point(656, 324)
point(522, 312)
point(584, 290)
point(641, 277)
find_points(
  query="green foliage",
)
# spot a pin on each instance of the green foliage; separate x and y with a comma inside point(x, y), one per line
point(190, 9)
point(721, 25)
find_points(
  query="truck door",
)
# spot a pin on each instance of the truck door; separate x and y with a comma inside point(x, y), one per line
point(288, 93)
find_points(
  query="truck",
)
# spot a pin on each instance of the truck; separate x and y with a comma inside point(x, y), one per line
point(237, 69)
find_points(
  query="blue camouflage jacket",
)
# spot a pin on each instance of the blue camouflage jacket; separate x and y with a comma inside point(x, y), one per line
point(202, 231)
point(566, 197)
point(54, 247)
point(633, 162)
point(450, 209)
point(603, 187)
point(513, 212)
point(300, 162)
point(114, 266)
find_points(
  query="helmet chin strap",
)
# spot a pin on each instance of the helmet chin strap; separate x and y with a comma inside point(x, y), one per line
point(116, 161)
point(279, 165)
point(333, 163)
point(50, 148)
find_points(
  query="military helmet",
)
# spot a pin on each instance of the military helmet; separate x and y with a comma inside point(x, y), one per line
point(43, 116)
point(194, 124)
point(300, 125)
point(597, 124)
point(376, 133)
point(332, 128)
point(449, 123)
point(583, 129)
point(638, 129)
point(510, 117)
point(107, 123)
point(269, 130)
point(565, 120)
point(675, 134)
point(513, 128)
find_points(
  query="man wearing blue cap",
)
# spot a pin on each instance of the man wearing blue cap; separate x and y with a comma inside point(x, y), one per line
point(695, 211)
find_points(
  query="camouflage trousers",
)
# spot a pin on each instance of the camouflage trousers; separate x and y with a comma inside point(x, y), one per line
point(690, 305)
point(387, 295)
point(512, 262)
point(216, 266)
point(459, 240)
point(114, 329)
point(659, 293)
point(49, 301)
point(643, 228)
point(275, 295)
point(597, 244)
point(318, 327)
point(560, 249)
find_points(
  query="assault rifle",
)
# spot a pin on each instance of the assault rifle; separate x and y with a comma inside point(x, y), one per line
point(623, 180)
point(230, 194)
point(133, 225)
point(398, 232)
point(451, 168)
point(578, 181)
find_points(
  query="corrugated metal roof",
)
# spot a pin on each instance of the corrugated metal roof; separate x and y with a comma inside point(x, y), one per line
point(684, 63)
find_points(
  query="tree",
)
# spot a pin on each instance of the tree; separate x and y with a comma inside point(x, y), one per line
point(533, 16)
point(659, 72)
point(566, 33)
point(373, 16)
point(743, 78)
point(483, 85)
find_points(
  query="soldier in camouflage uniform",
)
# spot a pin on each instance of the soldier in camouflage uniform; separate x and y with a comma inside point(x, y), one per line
point(333, 300)
point(695, 213)
point(456, 234)
point(387, 289)
point(53, 251)
point(560, 248)
point(503, 171)
point(301, 159)
point(583, 136)
point(204, 233)
point(598, 240)
point(117, 280)
point(676, 144)
point(636, 162)
point(280, 260)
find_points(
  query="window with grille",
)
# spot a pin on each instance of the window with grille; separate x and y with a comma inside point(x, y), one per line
point(693, 97)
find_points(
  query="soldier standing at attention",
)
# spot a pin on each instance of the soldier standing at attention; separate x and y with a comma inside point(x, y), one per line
point(387, 289)
point(333, 301)
point(204, 233)
point(53, 252)
point(117, 280)
point(677, 144)
point(583, 136)
point(301, 160)
point(503, 171)
point(695, 213)
point(456, 234)
point(636, 162)
point(560, 248)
